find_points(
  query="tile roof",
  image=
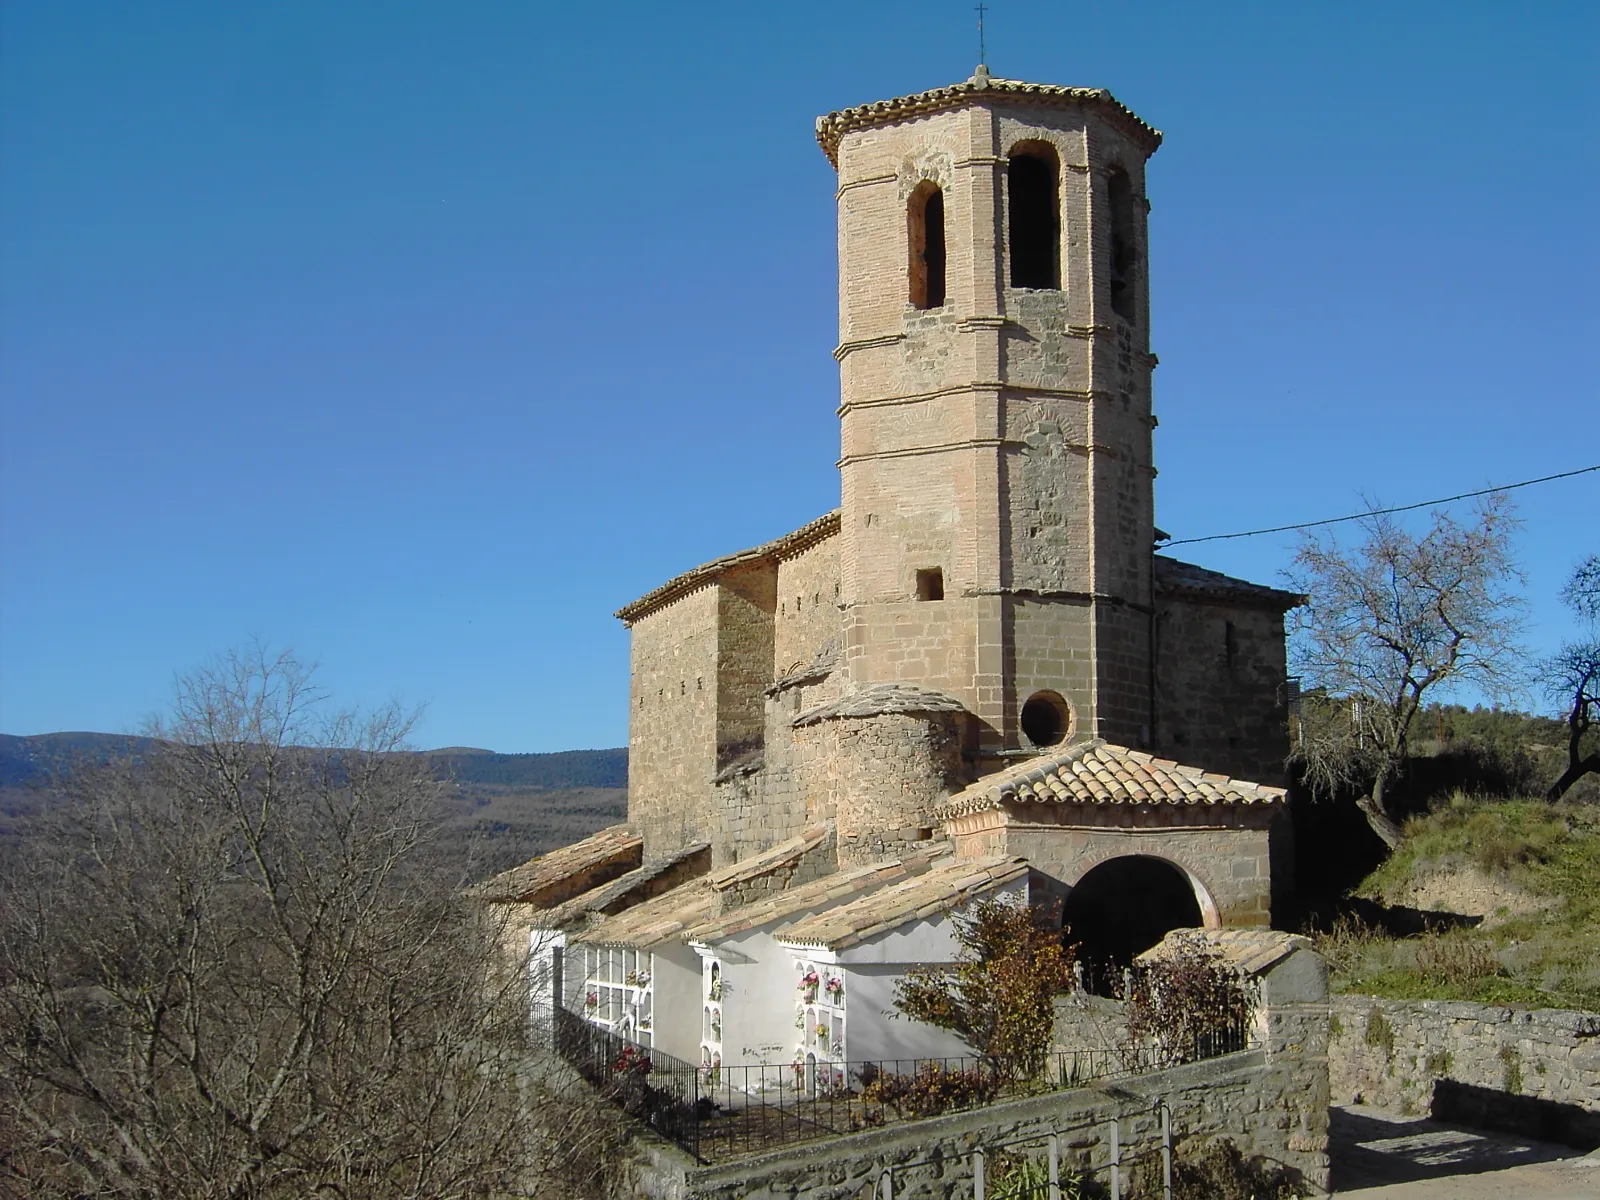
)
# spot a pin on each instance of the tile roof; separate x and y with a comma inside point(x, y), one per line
point(1176, 578)
point(981, 86)
point(678, 586)
point(878, 699)
point(660, 919)
point(669, 916)
point(1252, 951)
point(830, 890)
point(1097, 772)
point(780, 855)
point(553, 878)
point(950, 884)
point(616, 895)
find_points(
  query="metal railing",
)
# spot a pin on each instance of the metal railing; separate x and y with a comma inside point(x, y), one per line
point(720, 1113)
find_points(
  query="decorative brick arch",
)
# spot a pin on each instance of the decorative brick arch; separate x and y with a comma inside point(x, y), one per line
point(1081, 866)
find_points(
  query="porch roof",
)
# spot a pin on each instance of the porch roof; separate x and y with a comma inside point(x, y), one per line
point(1098, 772)
point(950, 884)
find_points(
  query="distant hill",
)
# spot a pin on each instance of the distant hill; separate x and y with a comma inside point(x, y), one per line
point(500, 809)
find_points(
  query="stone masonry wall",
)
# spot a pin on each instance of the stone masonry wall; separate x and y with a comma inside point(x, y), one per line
point(808, 605)
point(1220, 671)
point(746, 600)
point(1229, 855)
point(672, 725)
point(1394, 1053)
point(890, 772)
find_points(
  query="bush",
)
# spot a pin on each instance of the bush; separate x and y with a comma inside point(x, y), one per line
point(1188, 1004)
point(933, 1089)
point(1217, 1170)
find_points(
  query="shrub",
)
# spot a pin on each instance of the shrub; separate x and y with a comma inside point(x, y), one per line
point(1186, 1005)
point(999, 997)
point(933, 1089)
point(1217, 1170)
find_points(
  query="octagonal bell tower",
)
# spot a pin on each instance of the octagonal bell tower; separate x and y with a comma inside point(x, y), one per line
point(995, 405)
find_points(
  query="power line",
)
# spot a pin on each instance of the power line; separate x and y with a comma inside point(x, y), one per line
point(1379, 512)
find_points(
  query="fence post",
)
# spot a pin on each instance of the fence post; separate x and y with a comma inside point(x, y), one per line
point(1116, 1161)
point(978, 1188)
point(1166, 1152)
point(1055, 1167)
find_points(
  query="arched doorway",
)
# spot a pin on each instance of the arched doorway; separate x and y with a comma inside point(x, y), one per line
point(1122, 907)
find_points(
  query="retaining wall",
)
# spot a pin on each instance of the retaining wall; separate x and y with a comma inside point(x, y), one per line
point(1475, 1062)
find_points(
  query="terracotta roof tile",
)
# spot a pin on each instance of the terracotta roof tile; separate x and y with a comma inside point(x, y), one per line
point(1097, 772)
point(879, 699)
point(660, 919)
point(618, 894)
point(981, 86)
point(553, 878)
point(950, 884)
point(678, 586)
point(767, 861)
point(1252, 951)
point(1176, 578)
point(818, 894)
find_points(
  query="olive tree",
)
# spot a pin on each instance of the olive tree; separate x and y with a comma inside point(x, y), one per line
point(1572, 677)
point(1393, 620)
point(231, 966)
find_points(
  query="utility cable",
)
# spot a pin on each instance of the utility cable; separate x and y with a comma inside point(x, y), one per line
point(1379, 512)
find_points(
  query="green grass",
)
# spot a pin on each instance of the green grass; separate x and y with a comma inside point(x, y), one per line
point(1549, 958)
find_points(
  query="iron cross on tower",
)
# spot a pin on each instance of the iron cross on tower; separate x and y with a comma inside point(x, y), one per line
point(983, 54)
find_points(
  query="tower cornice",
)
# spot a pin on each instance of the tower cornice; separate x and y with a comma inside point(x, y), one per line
point(832, 128)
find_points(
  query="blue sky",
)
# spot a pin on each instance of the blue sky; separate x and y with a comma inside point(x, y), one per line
point(421, 336)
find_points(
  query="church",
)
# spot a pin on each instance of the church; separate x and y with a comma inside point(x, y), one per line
point(975, 677)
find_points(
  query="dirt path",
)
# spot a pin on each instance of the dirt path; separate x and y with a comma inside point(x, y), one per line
point(1383, 1156)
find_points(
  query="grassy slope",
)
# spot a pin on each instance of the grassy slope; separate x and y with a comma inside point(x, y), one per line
point(1547, 958)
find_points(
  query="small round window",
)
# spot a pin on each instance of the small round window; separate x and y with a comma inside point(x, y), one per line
point(1046, 719)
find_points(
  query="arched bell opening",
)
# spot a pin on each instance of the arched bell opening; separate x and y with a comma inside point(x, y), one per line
point(1124, 906)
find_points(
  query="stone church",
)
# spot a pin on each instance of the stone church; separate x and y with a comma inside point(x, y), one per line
point(976, 673)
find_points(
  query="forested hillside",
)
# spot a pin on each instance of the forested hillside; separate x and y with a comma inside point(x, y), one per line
point(500, 809)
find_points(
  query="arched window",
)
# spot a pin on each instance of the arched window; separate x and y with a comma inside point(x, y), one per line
point(925, 240)
point(1124, 246)
point(1035, 220)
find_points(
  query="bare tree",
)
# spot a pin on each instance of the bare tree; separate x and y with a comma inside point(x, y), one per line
point(233, 969)
point(1572, 677)
point(1392, 621)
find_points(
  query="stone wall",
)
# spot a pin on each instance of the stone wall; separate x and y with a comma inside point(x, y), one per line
point(1226, 851)
point(890, 772)
point(1271, 1101)
point(808, 605)
point(672, 725)
point(746, 600)
point(1397, 1053)
point(1220, 671)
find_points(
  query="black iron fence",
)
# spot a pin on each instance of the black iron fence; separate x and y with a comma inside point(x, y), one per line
point(719, 1113)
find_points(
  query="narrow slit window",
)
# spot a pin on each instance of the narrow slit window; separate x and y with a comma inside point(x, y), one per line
point(1032, 180)
point(925, 229)
point(1124, 265)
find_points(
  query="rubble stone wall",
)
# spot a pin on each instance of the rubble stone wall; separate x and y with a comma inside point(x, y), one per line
point(672, 723)
point(891, 771)
point(1395, 1053)
point(1220, 671)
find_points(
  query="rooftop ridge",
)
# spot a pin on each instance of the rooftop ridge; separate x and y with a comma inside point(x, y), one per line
point(693, 580)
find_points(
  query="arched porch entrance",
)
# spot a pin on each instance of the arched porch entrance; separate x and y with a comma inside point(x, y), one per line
point(1125, 905)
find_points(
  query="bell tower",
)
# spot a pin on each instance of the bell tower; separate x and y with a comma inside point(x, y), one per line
point(995, 366)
